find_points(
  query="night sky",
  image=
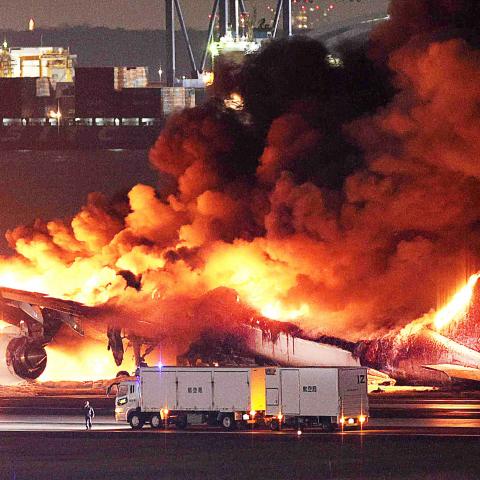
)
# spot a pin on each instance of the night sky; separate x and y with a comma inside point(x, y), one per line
point(142, 14)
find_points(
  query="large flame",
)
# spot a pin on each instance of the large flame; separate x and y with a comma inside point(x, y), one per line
point(88, 363)
point(457, 306)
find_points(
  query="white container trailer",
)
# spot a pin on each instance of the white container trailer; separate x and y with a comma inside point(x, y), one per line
point(188, 395)
point(329, 397)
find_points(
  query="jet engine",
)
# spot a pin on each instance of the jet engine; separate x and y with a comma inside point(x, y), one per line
point(20, 359)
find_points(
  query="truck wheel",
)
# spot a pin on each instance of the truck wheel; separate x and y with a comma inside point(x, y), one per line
point(136, 421)
point(181, 422)
point(274, 425)
point(228, 422)
point(155, 421)
point(328, 427)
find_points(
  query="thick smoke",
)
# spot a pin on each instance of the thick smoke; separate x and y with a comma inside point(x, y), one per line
point(335, 199)
point(421, 22)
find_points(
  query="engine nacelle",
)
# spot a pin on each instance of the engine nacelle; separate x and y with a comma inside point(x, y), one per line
point(20, 359)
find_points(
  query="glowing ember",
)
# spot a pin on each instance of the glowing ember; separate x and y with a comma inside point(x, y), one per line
point(457, 305)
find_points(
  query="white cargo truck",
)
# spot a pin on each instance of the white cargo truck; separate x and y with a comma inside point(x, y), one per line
point(326, 397)
point(184, 395)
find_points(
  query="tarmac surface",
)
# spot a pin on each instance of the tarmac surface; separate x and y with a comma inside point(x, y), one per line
point(406, 437)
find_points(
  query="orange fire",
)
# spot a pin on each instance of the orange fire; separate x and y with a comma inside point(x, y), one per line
point(94, 362)
point(3, 325)
point(259, 280)
point(453, 310)
point(457, 306)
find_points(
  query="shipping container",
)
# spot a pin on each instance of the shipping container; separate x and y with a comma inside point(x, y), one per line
point(95, 93)
point(130, 77)
point(140, 102)
point(173, 99)
point(42, 87)
point(328, 397)
point(11, 97)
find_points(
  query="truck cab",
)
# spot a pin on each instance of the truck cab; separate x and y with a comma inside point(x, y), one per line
point(127, 400)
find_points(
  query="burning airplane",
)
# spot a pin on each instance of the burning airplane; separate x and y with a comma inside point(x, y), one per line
point(342, 201)
point(434, 349)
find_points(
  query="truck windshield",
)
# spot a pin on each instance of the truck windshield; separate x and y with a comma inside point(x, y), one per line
point(122, 390)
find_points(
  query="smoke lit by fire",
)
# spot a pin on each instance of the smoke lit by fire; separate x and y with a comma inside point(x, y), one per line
point(329, 199)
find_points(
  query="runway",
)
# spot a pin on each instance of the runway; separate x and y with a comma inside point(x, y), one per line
point(150, 454)
point(389, 414)
point(44, 438)
point(376, 426)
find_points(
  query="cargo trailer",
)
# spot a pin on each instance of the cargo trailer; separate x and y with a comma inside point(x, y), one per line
point(326, 397)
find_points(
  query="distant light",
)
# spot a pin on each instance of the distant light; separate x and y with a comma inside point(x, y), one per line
point(54, 114)
point(351, 421)
point(160, 365)
point(31, 25)
point(299, 432)
point(234, 101)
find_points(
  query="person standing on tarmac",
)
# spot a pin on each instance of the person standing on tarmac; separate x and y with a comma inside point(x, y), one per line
point(89, 414)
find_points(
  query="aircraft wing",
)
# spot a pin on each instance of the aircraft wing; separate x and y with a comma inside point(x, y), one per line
point(457, 372)
point(377, 378)
point(33, 303)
